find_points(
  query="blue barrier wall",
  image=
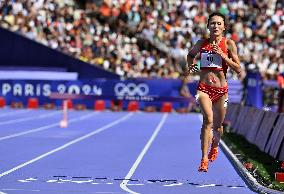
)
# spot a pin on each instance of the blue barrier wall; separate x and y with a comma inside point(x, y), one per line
point(16, 50)
point(21, 90)
point(265, 129)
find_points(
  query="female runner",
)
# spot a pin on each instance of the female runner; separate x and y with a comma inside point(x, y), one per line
point(217, 53)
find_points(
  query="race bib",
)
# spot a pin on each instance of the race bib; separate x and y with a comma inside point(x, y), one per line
point(211, 60)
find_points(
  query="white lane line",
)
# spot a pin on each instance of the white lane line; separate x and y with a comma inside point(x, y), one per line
point(173, 184)
point(46, 127)
point(207, 185)
point(29, 118)
point(67, 144)
point(123, 184)
point(13, 112)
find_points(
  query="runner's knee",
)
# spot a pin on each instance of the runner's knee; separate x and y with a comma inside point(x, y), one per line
point(218, 129)
point(208, 121)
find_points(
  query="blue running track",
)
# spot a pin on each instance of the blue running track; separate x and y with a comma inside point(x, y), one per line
point(107, 152)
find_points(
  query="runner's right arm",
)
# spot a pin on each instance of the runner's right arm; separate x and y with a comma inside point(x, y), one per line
point(191, 66)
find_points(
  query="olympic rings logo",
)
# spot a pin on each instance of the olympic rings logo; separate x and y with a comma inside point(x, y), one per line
point(131, 89)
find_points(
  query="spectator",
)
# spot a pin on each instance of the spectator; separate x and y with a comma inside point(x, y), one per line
point(159, 29)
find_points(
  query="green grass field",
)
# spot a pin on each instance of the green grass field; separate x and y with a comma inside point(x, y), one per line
point(264, 166)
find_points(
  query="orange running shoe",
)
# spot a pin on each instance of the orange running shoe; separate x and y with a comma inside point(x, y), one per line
point(212, 156)
point(203, 165)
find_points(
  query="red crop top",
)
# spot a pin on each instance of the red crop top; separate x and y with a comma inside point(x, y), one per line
point(210, 59)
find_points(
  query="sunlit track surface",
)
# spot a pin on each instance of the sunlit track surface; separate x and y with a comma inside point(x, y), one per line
point(99, 149)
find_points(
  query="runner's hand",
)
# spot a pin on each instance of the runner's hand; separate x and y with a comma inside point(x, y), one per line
point(217, 49)
point(193, 68)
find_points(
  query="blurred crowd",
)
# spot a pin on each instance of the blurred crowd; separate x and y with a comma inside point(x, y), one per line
point(150, 39)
